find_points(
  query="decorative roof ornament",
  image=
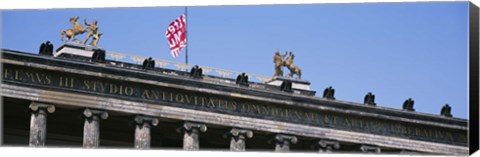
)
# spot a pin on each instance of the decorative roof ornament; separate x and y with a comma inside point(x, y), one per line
point(72, 32)
point(92, 32)
point(408, 105)
point(294, 70)
point(446, 111)
point(46, 49)
point(369, 99)
point(329, 93)
point(280, 62)
point(77, 29)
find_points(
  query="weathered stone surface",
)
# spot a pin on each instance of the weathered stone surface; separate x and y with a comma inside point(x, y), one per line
point(91, 128)
point(38, 123)
point(142, 131)
point(238, 137)
point(283, 142)
point(191, 135)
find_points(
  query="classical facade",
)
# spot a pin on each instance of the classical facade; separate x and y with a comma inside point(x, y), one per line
point(73, 100)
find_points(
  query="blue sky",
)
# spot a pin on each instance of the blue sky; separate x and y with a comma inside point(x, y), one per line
point(395, 50)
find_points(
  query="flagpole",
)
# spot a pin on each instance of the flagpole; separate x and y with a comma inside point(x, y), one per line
point(186, 28)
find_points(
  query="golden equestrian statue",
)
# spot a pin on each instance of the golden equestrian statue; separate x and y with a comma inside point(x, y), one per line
point(292, 67)
point(71, 33)
point(93, 32)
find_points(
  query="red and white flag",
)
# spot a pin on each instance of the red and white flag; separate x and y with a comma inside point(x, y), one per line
point(177, 35)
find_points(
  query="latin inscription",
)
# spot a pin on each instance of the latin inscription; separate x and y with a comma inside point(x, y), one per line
point(233, 106)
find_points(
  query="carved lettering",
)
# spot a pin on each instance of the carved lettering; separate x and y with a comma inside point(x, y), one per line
point(66, 82)
point(179, 98)
point(211, 104)
point(244, 108)
point(17, 75)
point(129, 91)
point(6, 73)
point(188, 98)
point(145, 94)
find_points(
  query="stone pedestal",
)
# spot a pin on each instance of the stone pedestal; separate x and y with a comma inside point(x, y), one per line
point(191, 135)
point(238, 137)
point(91, 128)
point(142, 131)
point(73, 49)
point(38, 123)
point(283, 142)
point(298, 86)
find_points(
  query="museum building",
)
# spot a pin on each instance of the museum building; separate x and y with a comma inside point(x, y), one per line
point(83, 96)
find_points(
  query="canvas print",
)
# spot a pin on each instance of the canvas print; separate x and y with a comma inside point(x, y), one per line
point(389, 78)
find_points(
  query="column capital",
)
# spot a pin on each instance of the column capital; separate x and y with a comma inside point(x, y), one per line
point(189, 126)
point(328, 145)
point(145, 119)
point(283, 142)
point(370, 149)
point(239, 133)
point(236, 132)
point(89, 113)
point(35, 106)
point(282, 139)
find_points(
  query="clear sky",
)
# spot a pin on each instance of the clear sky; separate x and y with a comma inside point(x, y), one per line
point(394, 50)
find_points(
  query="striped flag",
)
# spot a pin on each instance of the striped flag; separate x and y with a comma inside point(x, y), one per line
point(177, 35)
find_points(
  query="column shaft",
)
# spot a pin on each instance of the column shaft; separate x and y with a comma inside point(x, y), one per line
point(282, 146)
point(190, 140)
point(142, 136)
point(191, 133)
point(283, 142)
point(143, 132)
point(91, 132)
point(38, 128)
point(237, 143)
point(91, 127)
point(238, 137)
point(38, 123)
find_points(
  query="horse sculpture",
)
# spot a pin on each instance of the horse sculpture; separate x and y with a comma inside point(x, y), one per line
point(292, 67)
point(71, 33)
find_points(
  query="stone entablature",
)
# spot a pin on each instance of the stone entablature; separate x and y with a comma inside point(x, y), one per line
point(78, 77)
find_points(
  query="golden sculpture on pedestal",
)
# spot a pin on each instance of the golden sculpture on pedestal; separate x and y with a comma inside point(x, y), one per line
point(294, 70)
point(79, 29)
point(71, 33)
point(93, 32)
point(280, 61)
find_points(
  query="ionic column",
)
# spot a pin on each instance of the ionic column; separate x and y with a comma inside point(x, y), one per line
point(327, 146)
point(191, 135)
point(91, 128)
point(38, 123)
point(238, 136)
point(283, 142)
point(142, 131)
point(370, 149)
